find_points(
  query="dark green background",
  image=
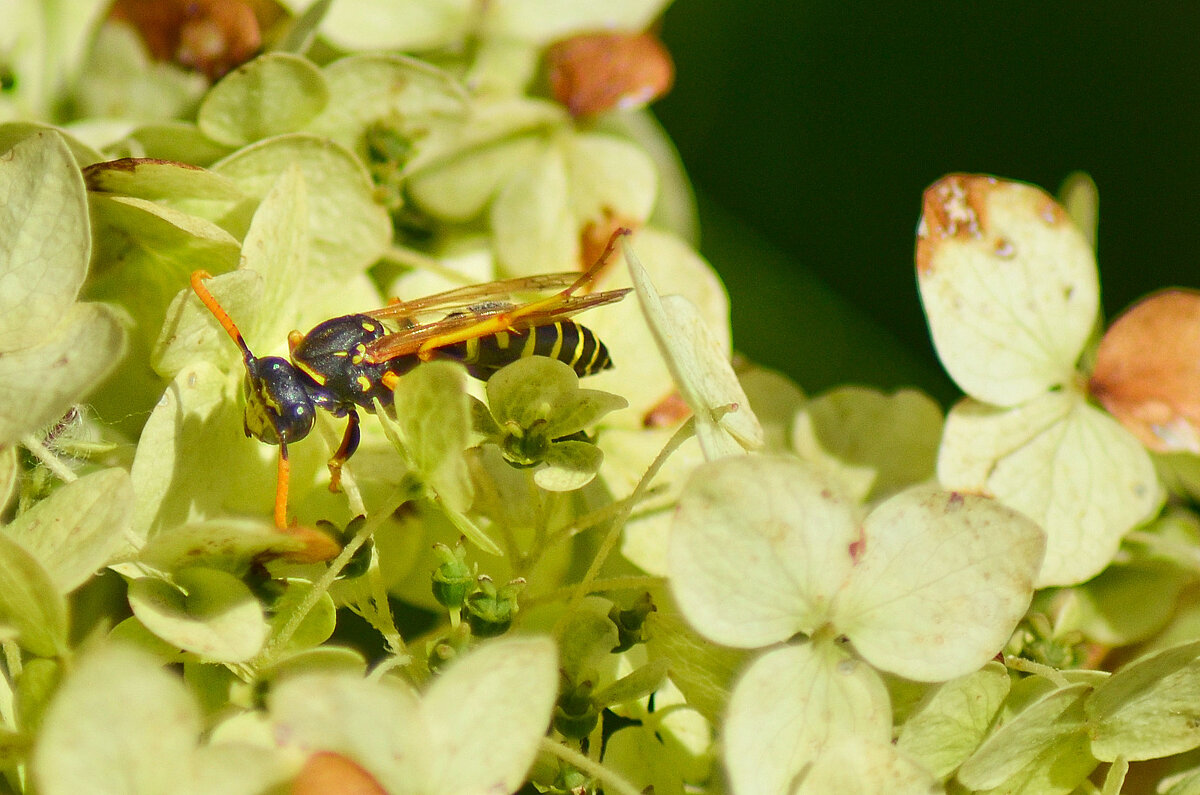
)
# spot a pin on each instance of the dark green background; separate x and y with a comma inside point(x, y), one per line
point(810, 130)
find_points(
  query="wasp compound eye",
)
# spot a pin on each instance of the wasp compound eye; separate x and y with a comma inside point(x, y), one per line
point(278, 407)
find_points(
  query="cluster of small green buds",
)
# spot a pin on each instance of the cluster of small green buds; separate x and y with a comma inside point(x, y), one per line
point(490, 609)
point(453, 579)
point(631, 622)
point(1036, 639)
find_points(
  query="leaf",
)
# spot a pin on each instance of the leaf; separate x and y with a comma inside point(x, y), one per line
point(952, 720)
point(1147, 710)
point(1147, 371)
point(758, 549)
point(273, 94)
point(791, 705)
point(1041, 736)
point(1009, 286)
point(45, 240)
point(30, 602)
point(205, 611)
point(77, 529)
point(941, 583)
point(1066, 465)
point(119, 719)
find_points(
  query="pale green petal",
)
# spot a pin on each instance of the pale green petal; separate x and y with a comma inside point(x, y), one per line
point(793, 704)
point(76, 530)
point(940, 583)
point(855, 766)
point(1147, 709)
point(45, 240)
point(120, 724)
point(510, 685)
point(874, 444)
point(1009, 286)
point(348, 229)
point(207, 612)
point(386, 25)
point(30, 603)
point(273, 94)
point(759, 547)
point(533, 227)
point(1068, 466)
point(38, 384)
point(158, 179)
point(952, 720)
point(1046, 738)
point(527, 19)
point(568, 466)
point(699, 365)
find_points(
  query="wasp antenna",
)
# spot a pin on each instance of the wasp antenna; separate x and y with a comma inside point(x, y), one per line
point(218, 312)
point(599, 264)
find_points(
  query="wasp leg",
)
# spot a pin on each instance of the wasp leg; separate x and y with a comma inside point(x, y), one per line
point(346, 449)
point(282, 476)
point(504, 321)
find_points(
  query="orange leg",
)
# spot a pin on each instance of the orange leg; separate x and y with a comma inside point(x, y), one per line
point(282, 475)
point(502, 322)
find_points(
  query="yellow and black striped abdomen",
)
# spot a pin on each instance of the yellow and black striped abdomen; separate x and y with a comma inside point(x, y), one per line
point(567, 341)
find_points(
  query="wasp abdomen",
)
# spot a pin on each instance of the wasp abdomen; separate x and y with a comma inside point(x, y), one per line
point(565, 340)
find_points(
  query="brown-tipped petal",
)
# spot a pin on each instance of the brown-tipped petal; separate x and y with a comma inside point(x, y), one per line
point(1147, 371)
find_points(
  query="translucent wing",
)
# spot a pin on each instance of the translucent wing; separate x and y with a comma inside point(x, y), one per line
point(486, 316)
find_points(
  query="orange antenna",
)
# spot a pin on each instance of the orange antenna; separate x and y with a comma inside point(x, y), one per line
point(218, 312)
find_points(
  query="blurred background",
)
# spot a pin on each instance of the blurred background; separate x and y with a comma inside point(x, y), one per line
point(811, 128)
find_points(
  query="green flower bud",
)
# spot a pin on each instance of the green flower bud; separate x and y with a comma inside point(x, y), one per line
point(631, 622)
point(452, 580)
point(490, 610)
point(575, 715)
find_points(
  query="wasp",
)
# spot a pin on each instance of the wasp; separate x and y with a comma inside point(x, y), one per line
point(348, 363)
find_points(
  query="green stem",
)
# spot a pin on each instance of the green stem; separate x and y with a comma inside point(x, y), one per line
point(48, 458)
point(612, 781)
point(277, 642)
point(584, 587)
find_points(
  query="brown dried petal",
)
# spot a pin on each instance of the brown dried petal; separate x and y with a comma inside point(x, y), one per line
point(1147, 371)
point(598, 72)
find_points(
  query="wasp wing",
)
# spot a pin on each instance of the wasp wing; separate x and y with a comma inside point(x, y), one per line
point(468, 298)
point(481, 320)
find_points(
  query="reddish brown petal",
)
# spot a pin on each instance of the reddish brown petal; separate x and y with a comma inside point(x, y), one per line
point(1147, 371)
